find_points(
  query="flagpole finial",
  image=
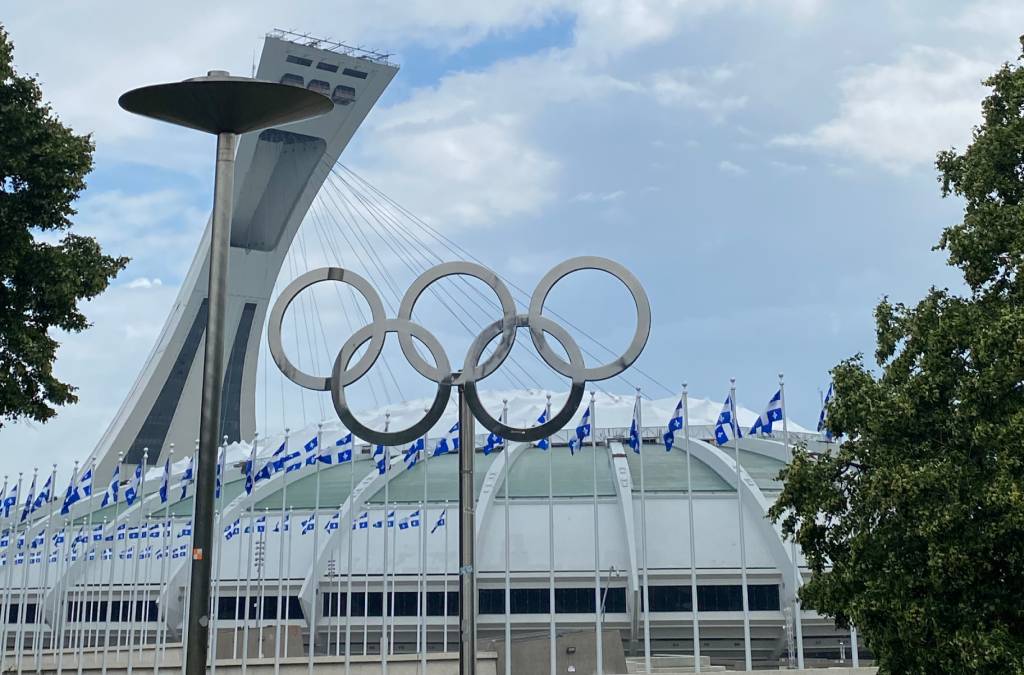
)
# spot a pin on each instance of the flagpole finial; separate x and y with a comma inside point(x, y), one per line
point(732, 381)
point(685, 385)
point(780, 378)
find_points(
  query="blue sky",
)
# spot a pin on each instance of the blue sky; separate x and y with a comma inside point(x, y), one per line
point(764, 167)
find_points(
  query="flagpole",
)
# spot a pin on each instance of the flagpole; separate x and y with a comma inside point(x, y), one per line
point(797, 619)
point(45, 564)
point(423, 557)
point(288, 606)
point(4, 613)
point(161, 616)
point(316, 572)
point(8, 587)
point(739, 511)
point(338, 575)
point(144, 593)
point(61, 591)
point(694, 608)
point(86, 593)
point(643, 534)
point(281, 600)
point(552, 633)
point(445, 603)
point(23, 597)
point(217, 564)
point(508, 553)
point(133, 605)
point(262, 578)
point(384, 568)
point(348, 567)
point(598, 644)
point(249, 556)
point(110, 585)
point(393, 526)
point(366, 592)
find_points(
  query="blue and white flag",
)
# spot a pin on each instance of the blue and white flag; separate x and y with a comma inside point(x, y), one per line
point(70, 497)
point(165, 480)
point(188, 476)
point(284, 524)
point(35, 558)
point(412, 453)
point(493, 441)
point(582, 432)
point(308, 524)
point(380, 455)
point(85, 483)
point(726, 428)
point(390, 518)
point(311, 454)
point(221, 458)
point(44, 495)
point(544, 443)
point(675, 424)
point(120, 531)
point(110, 495)
point(29, 499)
point(186, 530)
point(5, 539)
point(9, 501)
point(333, 522)
point(39, 539)
point(823, 416)
point(449, 443)
point(343, 454)
point(440, 522)
point(276, 463)
point(411, 520)
point(58, 537)
point(233, 530)
point(772, 413)
point(362, 522)
point(97, 532)
point(131, 493)
point(250, 471)
point(259, 525)
point(108, 553)
point(634, 428)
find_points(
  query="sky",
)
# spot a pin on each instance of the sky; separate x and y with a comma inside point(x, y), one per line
point(765, 168)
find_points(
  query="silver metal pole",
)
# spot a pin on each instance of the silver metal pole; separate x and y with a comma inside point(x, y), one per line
point(467, 531)
point(280, 564)
point(797, 579)
point(161, 626)
point(384, 567)
point(45, 564)
point(643, 535)
point(505, 449)
point(444, 605)
point(316, 549)
point(19, 642)
point(854, 647)
point(599, 644)
point(288, 606)
point(8, 585)
point(694, 608)
point(423, 556)
point(198, 635)
point(142, 534)
point(739, 511)
point(552, 631)
point(110, 583)
point(348, 568)
point(248, 560)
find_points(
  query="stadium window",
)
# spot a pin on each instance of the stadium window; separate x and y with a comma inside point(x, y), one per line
point(292, 79)
point(292, 609)
point(334, 604)
point(529, 601)
point(319, 86)
point(574, 600)
point(492, 601)
point(343, 95)
point(670, 599)
point(614, 600)
point(720, 598)
point(351, 72)
point(300, 60)
point(763, 597)
point(359, 605)
point(329, 67)
point(405, 603)
point(270, 607)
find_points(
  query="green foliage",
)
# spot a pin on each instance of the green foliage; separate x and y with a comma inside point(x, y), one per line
point(914, 527)
point(43, 165)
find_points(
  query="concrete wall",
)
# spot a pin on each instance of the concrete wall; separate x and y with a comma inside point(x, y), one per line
point(575, 652)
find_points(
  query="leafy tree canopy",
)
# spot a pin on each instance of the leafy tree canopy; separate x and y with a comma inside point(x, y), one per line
point(913, 526)
point(43, 165)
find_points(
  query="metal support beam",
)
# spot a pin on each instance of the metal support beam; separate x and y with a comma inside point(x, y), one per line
point(467, 540)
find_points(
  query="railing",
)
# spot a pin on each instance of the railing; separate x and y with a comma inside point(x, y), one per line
point(332, 46)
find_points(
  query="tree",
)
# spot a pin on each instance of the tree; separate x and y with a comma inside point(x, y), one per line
point(913, 527)
point(43, 165)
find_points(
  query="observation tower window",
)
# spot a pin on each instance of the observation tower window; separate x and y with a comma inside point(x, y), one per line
point(329, 67)
point(300, 60)
point(292, 79)
point(352, 72)
point(343, 95)
point(319, 86)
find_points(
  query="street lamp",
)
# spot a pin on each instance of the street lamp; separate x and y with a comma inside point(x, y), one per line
point(226, 106)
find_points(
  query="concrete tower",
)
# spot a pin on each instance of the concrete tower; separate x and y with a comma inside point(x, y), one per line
point(278, 173)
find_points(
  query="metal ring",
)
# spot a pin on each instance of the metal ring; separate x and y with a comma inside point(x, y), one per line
point(342, 376)
point(557, 421)
point(643, 318)
point(292, 372)
point(507, 322)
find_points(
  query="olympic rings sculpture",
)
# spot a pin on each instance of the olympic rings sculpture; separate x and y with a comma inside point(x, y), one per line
point(344, 373)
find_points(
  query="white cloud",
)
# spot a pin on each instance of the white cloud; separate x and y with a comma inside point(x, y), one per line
point(143, 282)
point(598, 196)
point(685, 88)
point(725, 166)
point(898, 115)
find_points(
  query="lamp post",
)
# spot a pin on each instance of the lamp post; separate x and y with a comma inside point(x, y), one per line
point(226, 106)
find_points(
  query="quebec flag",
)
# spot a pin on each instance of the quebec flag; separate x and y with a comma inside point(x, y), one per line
point(544, 443)
point(634, 428)
point(725, 427)
point(449, 443)
point(823, 416)
point(582, 432)
point(675, 424)
point(772, 413)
